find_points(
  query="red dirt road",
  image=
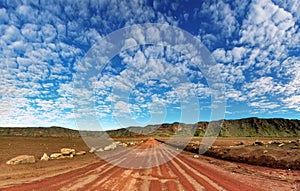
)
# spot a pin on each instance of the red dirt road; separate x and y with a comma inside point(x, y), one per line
point(181, 173)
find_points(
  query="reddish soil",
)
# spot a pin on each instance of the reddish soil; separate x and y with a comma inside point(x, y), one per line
point(270, 152)
point(183, 172)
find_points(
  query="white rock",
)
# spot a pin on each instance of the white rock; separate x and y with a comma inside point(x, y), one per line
point(107, 148)
point(110, 147)
point(55, 155)
point(79, 153)
point(67, 151)
point(22, 159)
point(93, 149)
point(45, 157)
point(196, 156)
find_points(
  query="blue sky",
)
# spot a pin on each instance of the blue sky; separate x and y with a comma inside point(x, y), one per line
point(255, 45)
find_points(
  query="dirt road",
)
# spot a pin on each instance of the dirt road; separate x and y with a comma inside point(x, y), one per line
point(181, 173)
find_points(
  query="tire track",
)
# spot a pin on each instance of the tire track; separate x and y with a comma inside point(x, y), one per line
point(178, 174)
point(77, 180)
point(222, 179)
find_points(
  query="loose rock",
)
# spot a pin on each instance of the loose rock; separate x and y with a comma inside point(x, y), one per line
point(55, 155)
point(22, 159)
point(45, 157)
point(67, 151)
point(93, 149)
point(80, 153)
point(110, 147)
point(60, 156)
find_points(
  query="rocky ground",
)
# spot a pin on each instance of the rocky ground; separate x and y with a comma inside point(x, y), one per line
point(275, 153)
point(186, 171)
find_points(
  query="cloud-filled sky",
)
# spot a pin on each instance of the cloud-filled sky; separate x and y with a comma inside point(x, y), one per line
point(255, 45)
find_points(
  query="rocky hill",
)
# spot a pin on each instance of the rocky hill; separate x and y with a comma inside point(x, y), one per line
point(38, 132)
point(276, 127)
point(249, 127)
point(255, 127)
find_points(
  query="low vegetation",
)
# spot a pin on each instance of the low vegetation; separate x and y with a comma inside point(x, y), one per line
point(249, 127)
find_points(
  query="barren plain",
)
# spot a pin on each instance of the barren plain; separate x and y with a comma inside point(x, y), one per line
point(184, 171)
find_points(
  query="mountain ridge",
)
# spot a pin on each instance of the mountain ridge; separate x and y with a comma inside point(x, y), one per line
point(245, 127)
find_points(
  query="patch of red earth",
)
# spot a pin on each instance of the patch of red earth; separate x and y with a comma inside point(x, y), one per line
point(181, 173)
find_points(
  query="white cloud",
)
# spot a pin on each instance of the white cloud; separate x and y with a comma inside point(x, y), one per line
point(43, 45)
point(264, 105)
point(260, 87)
point(224, 18)
point(291, 6)
point(121, 108)
point(292, 102)
point(3, 16)
point(222, 56)
point(49, 33)
point(11, 34)
point(269, 27)
point(27, 13)
point(238, 53)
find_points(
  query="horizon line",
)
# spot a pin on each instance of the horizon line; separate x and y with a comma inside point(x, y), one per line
point(77, 129)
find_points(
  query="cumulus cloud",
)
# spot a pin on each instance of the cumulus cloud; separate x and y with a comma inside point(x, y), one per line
point(255, 44)
point(260, 64)
point(292, 102)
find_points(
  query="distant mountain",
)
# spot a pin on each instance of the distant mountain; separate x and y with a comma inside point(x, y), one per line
point(249, 127)
point(257, 127)
point(38, 132)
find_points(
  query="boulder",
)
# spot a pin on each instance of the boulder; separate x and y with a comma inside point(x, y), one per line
point(93, 149)
point(79, 153)
point(100, 150)
point(22, 159)
point(67, 151)
point(60, 156)
point(45, 157)
point(110, 147)
point(56, 155)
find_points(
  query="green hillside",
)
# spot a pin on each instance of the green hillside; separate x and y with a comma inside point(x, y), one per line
point(249, 127)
